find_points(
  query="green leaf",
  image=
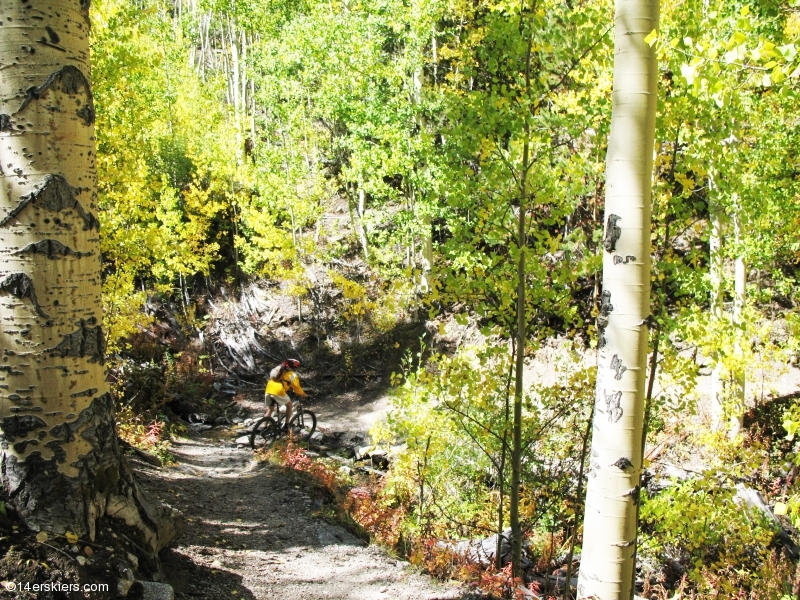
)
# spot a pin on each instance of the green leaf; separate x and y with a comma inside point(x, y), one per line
point(651, 38)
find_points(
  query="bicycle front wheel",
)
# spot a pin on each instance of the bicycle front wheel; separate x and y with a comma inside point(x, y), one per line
point(303, 425)
point(264, 433)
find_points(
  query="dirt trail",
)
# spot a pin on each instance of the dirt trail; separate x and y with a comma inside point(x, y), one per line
point(252, 534)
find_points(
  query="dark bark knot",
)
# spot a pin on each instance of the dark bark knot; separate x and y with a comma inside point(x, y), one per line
point(612, 233)
point(20, 426)
point(55, 195)
point(5, 122)
point(21, 286)
point(86, 342)
point(52, 249)
point(623, 464)
point(68, 80)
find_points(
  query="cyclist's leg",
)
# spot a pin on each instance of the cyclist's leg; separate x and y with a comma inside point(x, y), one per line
point(271, 406)
point(289, 406)
point(276, 400)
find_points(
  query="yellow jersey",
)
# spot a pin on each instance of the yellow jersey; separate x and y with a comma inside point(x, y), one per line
point(289, 380)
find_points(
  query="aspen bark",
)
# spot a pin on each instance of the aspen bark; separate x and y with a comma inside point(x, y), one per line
point(716, 280)
point(736, 421)
point(60, 465)
point(609, 542)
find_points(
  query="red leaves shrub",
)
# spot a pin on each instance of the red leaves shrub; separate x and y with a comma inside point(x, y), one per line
point(364, 505)
point(368, 507)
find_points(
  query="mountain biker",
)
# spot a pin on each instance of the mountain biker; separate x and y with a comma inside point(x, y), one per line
point(282, 379)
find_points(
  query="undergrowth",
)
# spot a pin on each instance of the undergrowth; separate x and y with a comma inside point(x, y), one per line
point(367, 507)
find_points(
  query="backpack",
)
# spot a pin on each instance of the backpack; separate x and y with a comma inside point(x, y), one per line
point(276, 373)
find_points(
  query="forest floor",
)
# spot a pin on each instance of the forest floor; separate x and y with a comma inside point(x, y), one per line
point(254, 529)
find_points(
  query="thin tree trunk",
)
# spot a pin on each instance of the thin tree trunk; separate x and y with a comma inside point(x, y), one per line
point(739, 296)
point(610, 528)
point(362, 234)
point(61, 468)
point(716, 280)
point(578, 493)
point(520, 334)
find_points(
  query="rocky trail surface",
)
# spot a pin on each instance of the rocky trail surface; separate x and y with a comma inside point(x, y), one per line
point(253, 533)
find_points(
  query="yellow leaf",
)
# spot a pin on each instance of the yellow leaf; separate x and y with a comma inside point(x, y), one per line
point(781, 509)
point(72, 538)
point(41, 537)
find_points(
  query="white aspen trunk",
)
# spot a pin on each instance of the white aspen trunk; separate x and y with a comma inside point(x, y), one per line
point(739, 296)
point(610, 528)
point(716, 278)
point(427, 232)
point(253, 110)
point(235, 89)
point(61, 468)
point(362, 234)
point(243, 96)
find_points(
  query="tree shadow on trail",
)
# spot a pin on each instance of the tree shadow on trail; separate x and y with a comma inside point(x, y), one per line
point(191, 580)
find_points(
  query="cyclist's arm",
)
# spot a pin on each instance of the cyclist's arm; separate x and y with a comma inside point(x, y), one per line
point(295, 384)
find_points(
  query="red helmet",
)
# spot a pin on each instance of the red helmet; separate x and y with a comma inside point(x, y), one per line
point(291, 363)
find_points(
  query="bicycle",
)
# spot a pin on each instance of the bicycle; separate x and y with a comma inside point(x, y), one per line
point(268, 429)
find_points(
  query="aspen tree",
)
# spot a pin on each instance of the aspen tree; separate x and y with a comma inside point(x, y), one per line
point(609, 543)
point(60, 463)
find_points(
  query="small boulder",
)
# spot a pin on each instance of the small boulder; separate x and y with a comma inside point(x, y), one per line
point(153, 590)
point(243, 441)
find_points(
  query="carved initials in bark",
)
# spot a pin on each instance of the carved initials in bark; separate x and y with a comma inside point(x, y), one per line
point(88, 341)
point(21, 286)
point(70, 81)
point(56, 195)
point(612, 233)
point(613, 408)
point(618, 260)
point(52, 249)
point(602, 320)
point(617, 367)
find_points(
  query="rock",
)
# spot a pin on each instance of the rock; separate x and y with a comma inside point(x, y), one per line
point(363, 452)
point(482, 551)
point(221, 421)
point(380, 459)
point(346, 461)
point(332, 535)
point(243, 441)
point(148, 457)
point(755, 501)
point(133, 560)
point(124, 586)
point(317, 437)
point(200, 427)
point(81, 560)
point(241, 420)
point(153, 590)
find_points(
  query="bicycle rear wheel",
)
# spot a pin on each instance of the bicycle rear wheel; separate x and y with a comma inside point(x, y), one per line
point(303, 425)
point(264, 433)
